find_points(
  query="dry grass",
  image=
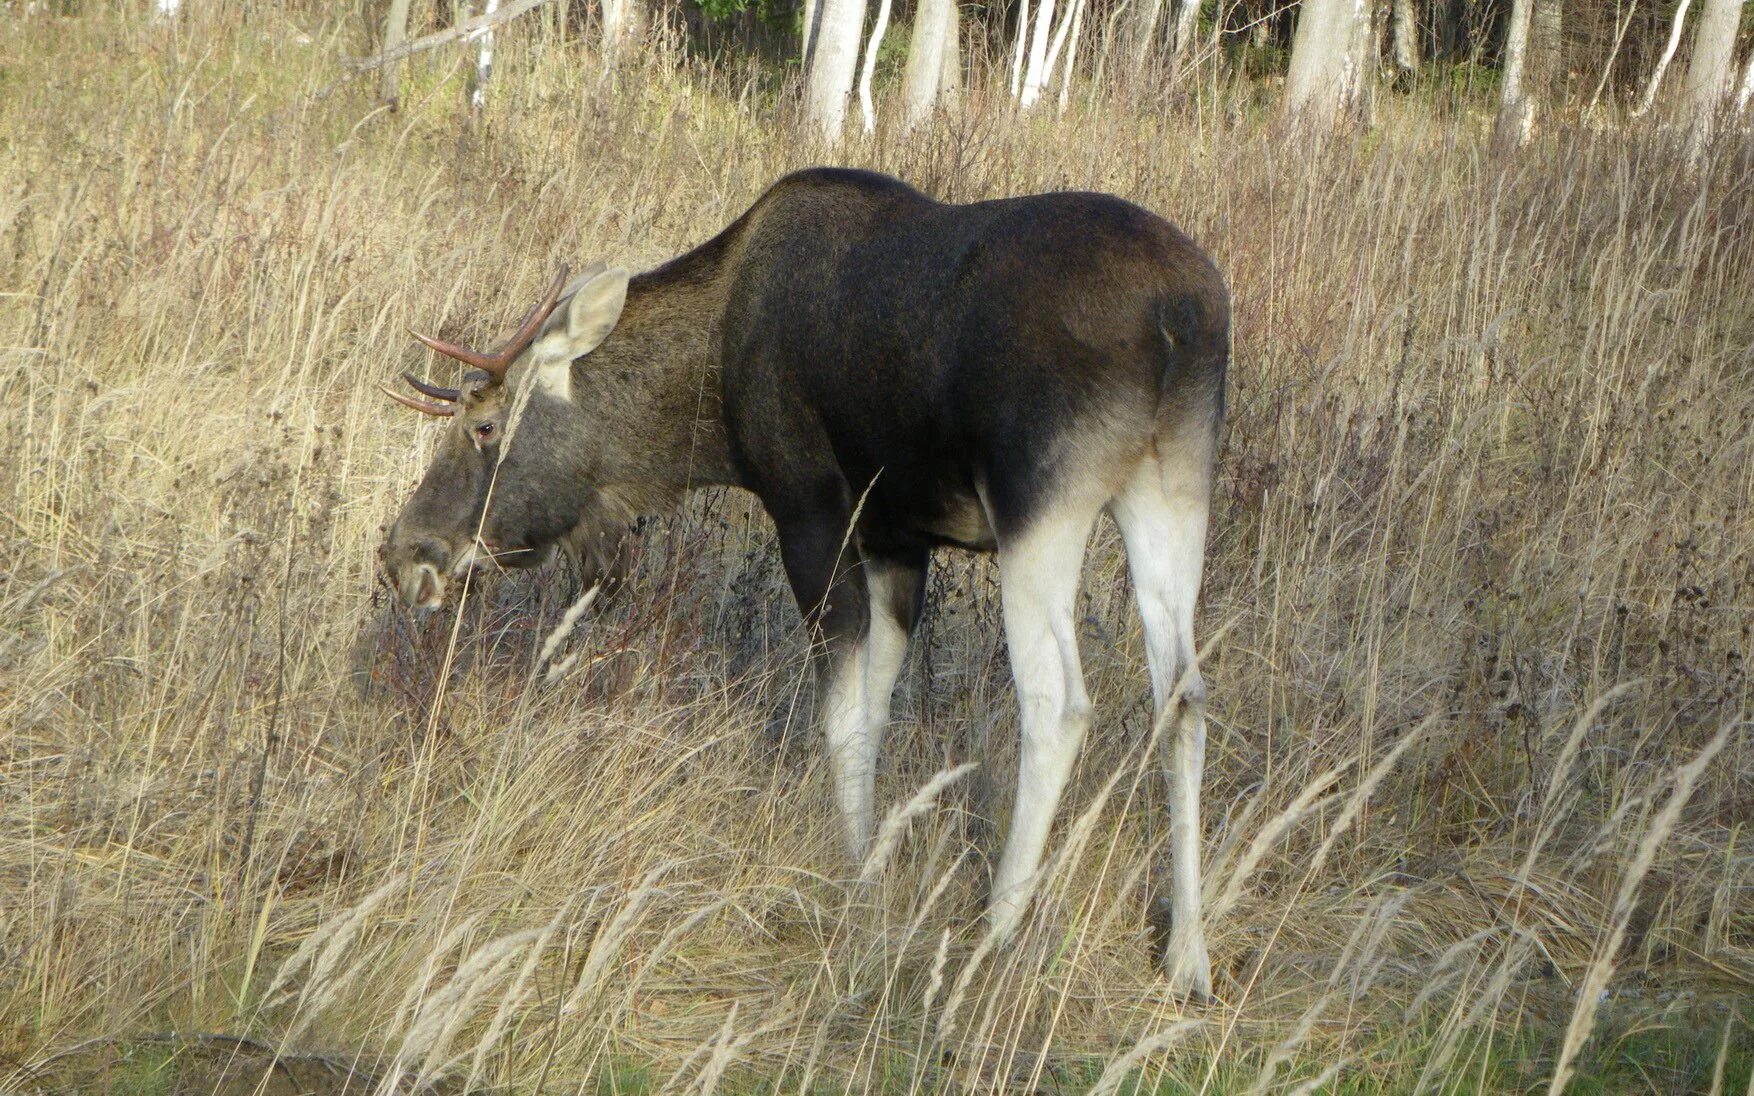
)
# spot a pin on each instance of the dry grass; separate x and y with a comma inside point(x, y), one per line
point(1482, 562)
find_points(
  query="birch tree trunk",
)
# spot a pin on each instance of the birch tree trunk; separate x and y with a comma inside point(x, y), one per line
point(867, 109)
point(1656, 76)
point(1710, 71)
point(1145, 31)
point(807, 47)
point(1071, 54)
point(395, 33)
point(1035, 73)
point(1327, 61)
point(1544, 76)
point(1404, 33)
point(1021, 49)
point(1613, 55)
point(621, 29)
point(1516, 109)
point(483, 64)
point(950, 79)
point(1187, 18)
point(834, 59)
point(925, 58)
point(1746, 92)
point(1061, 33)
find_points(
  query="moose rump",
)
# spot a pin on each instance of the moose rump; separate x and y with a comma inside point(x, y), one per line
point(893, 374)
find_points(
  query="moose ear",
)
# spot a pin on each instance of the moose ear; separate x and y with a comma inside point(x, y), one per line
point(594, 310)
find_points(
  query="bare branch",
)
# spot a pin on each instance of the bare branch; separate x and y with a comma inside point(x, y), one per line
point(468, 28)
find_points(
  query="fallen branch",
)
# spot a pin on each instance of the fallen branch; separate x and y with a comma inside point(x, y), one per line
point(465, 30)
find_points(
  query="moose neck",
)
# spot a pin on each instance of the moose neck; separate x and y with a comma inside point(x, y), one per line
point(653, 387)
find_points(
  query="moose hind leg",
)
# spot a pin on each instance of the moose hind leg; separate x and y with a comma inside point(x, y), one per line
point(1162, 517)
point(1038, 578)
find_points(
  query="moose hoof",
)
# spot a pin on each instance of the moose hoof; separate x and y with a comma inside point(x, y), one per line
point(1188, 969)
point(1181, 955)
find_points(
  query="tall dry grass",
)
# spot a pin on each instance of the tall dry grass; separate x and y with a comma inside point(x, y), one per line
point(1478, 598)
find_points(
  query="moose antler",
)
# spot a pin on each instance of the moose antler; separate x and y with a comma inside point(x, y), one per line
point(500, 360)
point(444, 400)
point(425, 407)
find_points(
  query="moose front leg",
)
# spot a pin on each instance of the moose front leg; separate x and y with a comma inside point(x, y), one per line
point(823, 565)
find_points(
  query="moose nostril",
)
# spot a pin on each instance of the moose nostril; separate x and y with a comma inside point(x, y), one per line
point(427, 591)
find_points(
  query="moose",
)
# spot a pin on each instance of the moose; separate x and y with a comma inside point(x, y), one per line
point(888, 374)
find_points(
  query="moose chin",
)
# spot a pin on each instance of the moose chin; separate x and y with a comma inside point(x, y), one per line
point(889, 375)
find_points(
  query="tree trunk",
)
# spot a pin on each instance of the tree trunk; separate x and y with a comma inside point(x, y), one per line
point(1516, 107)
point(621, 29)
point(1059, 43)
point(1327, 57)
point(1656, 76)
point(1071, 54)
point(1544, 76)
point(1404, 31)
point(950, 80)
point(1613, 55)
point(833, 62)
point(925, 58)
point(483, 65)
point(1145, 31)
point(395, 33)
point(1021, 48)
point(1187, 17)
point(1746, 92)
point(1035, 73)
point(1710, 71)
point(807, 47)
point(867, 109)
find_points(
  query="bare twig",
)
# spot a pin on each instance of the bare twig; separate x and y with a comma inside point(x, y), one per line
point(465, 30)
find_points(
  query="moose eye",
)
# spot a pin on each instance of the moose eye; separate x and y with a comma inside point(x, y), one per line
point(484, 431)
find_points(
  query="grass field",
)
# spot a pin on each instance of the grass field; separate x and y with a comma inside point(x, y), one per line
point(1479, 604)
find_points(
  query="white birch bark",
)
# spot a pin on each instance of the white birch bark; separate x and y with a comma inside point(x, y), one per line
point(1145, 31)
point(1710, 71)
point(807, 48)
point(1327, 60)
point(1035, 74)
point(1186, 20)
point(1613, 55)
point(1071, 54)
point(1059, 43)
point(877, 32)
point(1746, 93)
point(1404, 32)
point(1307, 73)
point(1656, 76)
point(1545, 72)
point(395, 33)
point(1021, 48)
point(925, 58)
point(950, 80)
point(483, 63)
point(1516, 110)
point(621, 29)
point(835, 57)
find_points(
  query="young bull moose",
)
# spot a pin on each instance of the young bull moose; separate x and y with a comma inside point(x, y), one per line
point(888, 374)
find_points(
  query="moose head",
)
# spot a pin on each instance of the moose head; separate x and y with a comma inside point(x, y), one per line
point(513, 475)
